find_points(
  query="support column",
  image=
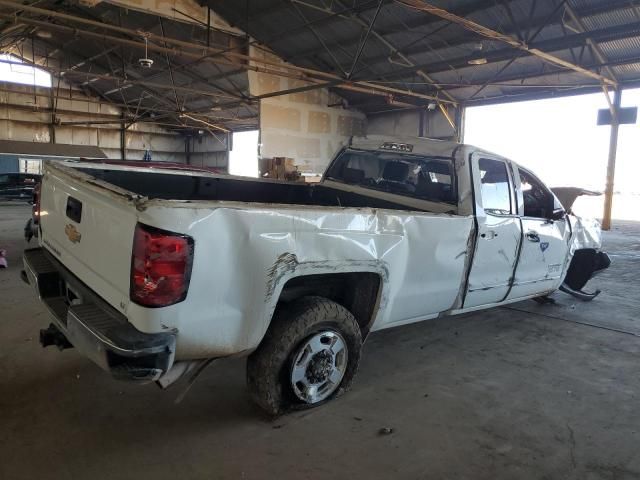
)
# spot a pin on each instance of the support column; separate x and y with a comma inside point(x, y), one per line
point(422, 122)
point(123, 139)
point(611, 166)
point(460, 122)
point(52, 121)
point(208, 26)
point(229, 147)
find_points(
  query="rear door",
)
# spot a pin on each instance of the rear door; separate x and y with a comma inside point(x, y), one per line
point(546, 241)
point(499, 232)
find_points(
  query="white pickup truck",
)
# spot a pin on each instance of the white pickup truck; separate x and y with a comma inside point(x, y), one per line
point(153, 272)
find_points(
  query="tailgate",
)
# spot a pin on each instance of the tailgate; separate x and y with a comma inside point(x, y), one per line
point(89, 227)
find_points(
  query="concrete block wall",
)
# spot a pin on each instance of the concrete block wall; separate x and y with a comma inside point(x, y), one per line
point(207, 150)
point(302, 125)
point(413, 123)
point(25, 115)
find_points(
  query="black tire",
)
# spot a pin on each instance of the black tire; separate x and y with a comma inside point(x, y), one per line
point(269, 366)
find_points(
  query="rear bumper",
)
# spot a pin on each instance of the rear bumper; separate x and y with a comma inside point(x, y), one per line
point(96, 329)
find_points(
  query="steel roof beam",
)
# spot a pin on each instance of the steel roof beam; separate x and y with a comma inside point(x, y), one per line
point(507, 39)
point(460, 40)
point(172, 68)
point(87, 89)
point(550, 93)
point(595, 48)
point(531, 36)
point(283, 70)
point(358, 20)
point(468, 9)
point(504, 80)
point(363, 7)
point(553, 45)
point(319, 38)
point(72, 73)
point(257, 15)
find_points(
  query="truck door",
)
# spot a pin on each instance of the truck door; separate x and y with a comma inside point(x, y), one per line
point(546, 241)
point(499, 233)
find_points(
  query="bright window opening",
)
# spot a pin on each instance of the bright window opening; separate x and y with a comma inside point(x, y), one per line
point(28, 165)
point(14, 70)
point(243, 158)
point(559, 140)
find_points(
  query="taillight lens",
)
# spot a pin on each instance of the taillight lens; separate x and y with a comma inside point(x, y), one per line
point(160, 266)
point(35, 209)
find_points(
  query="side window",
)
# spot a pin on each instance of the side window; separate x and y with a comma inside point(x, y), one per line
point(496, 194)
point(538, 200)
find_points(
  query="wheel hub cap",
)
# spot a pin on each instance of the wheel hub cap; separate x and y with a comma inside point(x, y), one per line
point(319, 366)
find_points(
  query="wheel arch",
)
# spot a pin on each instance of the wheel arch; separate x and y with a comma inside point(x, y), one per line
point(360, 292)
point(365, 284)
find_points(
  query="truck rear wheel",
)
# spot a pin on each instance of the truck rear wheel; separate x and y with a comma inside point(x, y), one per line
point(309, 355)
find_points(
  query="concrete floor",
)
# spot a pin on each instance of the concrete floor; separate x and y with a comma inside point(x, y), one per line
point(528, 391)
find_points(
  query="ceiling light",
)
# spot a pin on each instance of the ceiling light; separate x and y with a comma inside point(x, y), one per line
point(44, 34)
point(145, 62)
point(477, 61)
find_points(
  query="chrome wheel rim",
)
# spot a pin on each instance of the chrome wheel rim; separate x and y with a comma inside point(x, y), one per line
point(319, 366)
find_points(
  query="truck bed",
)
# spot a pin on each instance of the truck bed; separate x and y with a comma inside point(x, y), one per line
point(245, 253)
point(193, 186)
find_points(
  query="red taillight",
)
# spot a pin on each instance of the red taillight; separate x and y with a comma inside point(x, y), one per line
point(160, 266)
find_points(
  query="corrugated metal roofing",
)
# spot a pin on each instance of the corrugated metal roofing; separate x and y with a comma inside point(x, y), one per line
point(326, 36)
point(199, 80)
point(444, 50)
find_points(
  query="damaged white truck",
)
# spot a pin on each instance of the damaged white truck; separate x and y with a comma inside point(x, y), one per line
point(152, 273)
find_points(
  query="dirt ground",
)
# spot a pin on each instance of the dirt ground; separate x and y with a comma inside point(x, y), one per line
point(525, 391)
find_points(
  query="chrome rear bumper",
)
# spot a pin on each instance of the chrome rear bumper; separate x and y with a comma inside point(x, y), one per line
point(95, 328)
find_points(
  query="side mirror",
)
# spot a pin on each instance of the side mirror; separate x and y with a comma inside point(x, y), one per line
point(558, 214)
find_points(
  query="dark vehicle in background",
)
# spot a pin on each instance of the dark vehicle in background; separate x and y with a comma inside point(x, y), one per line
point(18, 186)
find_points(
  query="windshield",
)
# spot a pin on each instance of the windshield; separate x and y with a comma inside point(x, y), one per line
point(425, 178)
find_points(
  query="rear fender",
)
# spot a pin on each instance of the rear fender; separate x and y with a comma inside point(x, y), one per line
point(287, 268)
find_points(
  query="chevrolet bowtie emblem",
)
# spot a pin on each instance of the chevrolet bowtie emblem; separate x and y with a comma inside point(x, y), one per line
point(72, 233)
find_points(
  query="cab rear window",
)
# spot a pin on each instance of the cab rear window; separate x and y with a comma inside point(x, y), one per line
point(421, 177)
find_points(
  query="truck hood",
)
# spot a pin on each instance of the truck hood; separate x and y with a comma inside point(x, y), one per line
point(568, 195)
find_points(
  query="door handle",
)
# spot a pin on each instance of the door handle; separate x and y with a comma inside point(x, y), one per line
point(533, 236)
point(489, 234)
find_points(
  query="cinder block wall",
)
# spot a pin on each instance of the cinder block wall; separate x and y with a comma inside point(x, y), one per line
point(26, 114)
point(302, 126)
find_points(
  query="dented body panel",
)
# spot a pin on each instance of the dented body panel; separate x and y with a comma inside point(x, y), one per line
point(243, 257)
point(460, 257)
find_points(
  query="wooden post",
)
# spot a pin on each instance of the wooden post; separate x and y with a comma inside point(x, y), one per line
point(611, 166)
